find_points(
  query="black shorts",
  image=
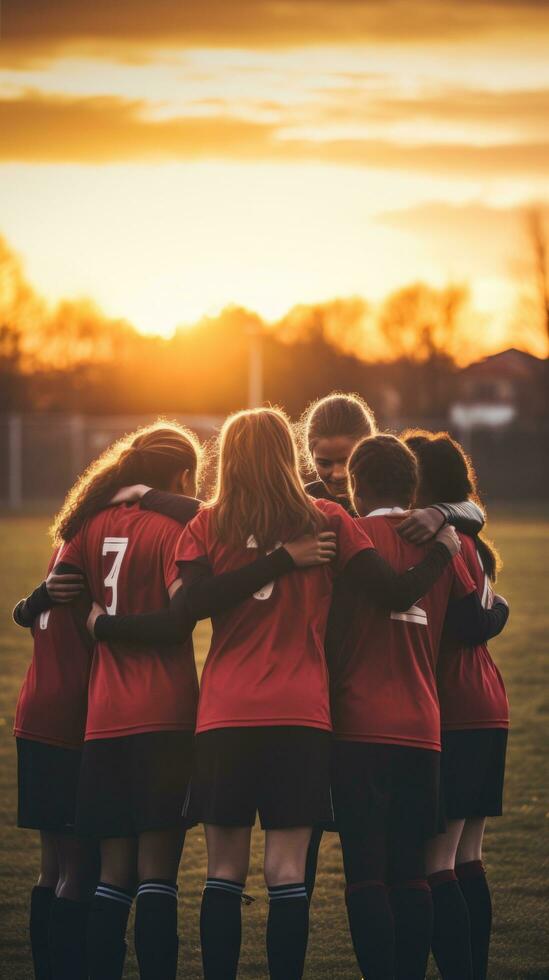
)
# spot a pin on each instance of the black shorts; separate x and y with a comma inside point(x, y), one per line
point(472, 771)
point(47, 781)
point(390, 789)
point(134, 783)
point(280, 772)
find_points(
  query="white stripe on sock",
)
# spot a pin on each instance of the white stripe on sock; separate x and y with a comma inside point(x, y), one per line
point(115, 896)
point(225, 886)
point(158, 889)
point(288, 893)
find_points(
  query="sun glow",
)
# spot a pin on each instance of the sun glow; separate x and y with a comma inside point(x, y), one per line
point(266, 177)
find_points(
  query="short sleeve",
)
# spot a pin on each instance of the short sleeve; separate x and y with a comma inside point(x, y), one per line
point(192, 544)
point(71, 552)
point(351, 537)
point(463, 584)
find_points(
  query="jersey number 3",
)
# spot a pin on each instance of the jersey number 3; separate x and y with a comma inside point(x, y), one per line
point(116, 546)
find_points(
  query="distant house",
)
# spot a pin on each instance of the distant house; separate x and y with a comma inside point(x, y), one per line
point(499, 390)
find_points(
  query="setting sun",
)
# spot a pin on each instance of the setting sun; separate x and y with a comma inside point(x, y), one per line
point(174, 177)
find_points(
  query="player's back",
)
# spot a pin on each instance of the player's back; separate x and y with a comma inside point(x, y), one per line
point(471, 688)
point(52, 703)
point(127, 555)
point(384, 688)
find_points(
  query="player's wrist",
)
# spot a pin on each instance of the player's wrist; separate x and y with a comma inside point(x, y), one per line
point(440, 510)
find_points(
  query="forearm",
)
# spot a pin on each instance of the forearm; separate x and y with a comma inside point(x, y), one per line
point(474, 625)
point(174, 505)
point(162, 628)
point(28, 609)
point(466, 516)
point(215, 594)
point(378, 582)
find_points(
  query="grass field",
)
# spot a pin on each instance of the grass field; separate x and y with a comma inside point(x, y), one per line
point(516, 845)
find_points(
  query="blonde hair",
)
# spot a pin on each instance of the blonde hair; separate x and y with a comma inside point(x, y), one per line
point(153, 455)
point(259, 490)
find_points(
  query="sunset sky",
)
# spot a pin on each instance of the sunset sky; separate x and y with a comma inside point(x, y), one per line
point(168, 158)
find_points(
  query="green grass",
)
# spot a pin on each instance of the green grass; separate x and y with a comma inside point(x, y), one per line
point(515, 852)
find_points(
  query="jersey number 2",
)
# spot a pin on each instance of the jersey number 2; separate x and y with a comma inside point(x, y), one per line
point(116, 546)
point(415, 614)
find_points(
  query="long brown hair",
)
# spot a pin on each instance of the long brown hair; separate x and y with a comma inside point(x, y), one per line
point(153, 455)
point(259, 490)
point(337, 414)
point(447, 475)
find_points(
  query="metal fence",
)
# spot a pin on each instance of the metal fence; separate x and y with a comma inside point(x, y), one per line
point(42, 454)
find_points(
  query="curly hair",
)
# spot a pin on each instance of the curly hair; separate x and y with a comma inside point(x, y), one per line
point(153, 455)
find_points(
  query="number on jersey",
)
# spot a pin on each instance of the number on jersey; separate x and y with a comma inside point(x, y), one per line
point(415, 614)
point(267, 590)
point(116, 546)
point(487, 600)
point(44, 619)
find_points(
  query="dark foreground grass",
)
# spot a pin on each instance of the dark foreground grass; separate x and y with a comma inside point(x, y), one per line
point(516, 845)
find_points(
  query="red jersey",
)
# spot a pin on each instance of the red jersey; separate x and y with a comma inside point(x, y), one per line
point(127, 556)
point(384, 688)
point(266, 664)
point(470, 687)
point(52, 703)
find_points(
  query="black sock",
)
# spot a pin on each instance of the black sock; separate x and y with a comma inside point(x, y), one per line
point(156, 941)
point(451, 942)
point(474, 886)
point(312, 861)
point(412, 906)
point(68, 931)
point(372, 928)
point(108, 920)
point(287, 931)
point(39, 928)
point(221, 928)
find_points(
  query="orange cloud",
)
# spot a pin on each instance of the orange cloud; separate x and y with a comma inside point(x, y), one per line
point(34, 29)
point(36, 128)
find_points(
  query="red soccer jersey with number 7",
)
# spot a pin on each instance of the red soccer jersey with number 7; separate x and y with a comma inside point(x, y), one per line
point(384, 688)
point(53, 699)
point(127, 556)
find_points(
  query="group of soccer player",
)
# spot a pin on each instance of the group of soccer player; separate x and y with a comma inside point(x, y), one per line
point(348, 688)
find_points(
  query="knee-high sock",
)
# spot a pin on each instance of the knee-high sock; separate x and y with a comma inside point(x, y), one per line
point(412, 906)
point(39, 928)
point(156, 941)
point(287, 931)
point(474, 886)
point(312, 861)
point(68, 932)
point(221, 928)
point(451, 942)
point(107, 923)
point(372, 928)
